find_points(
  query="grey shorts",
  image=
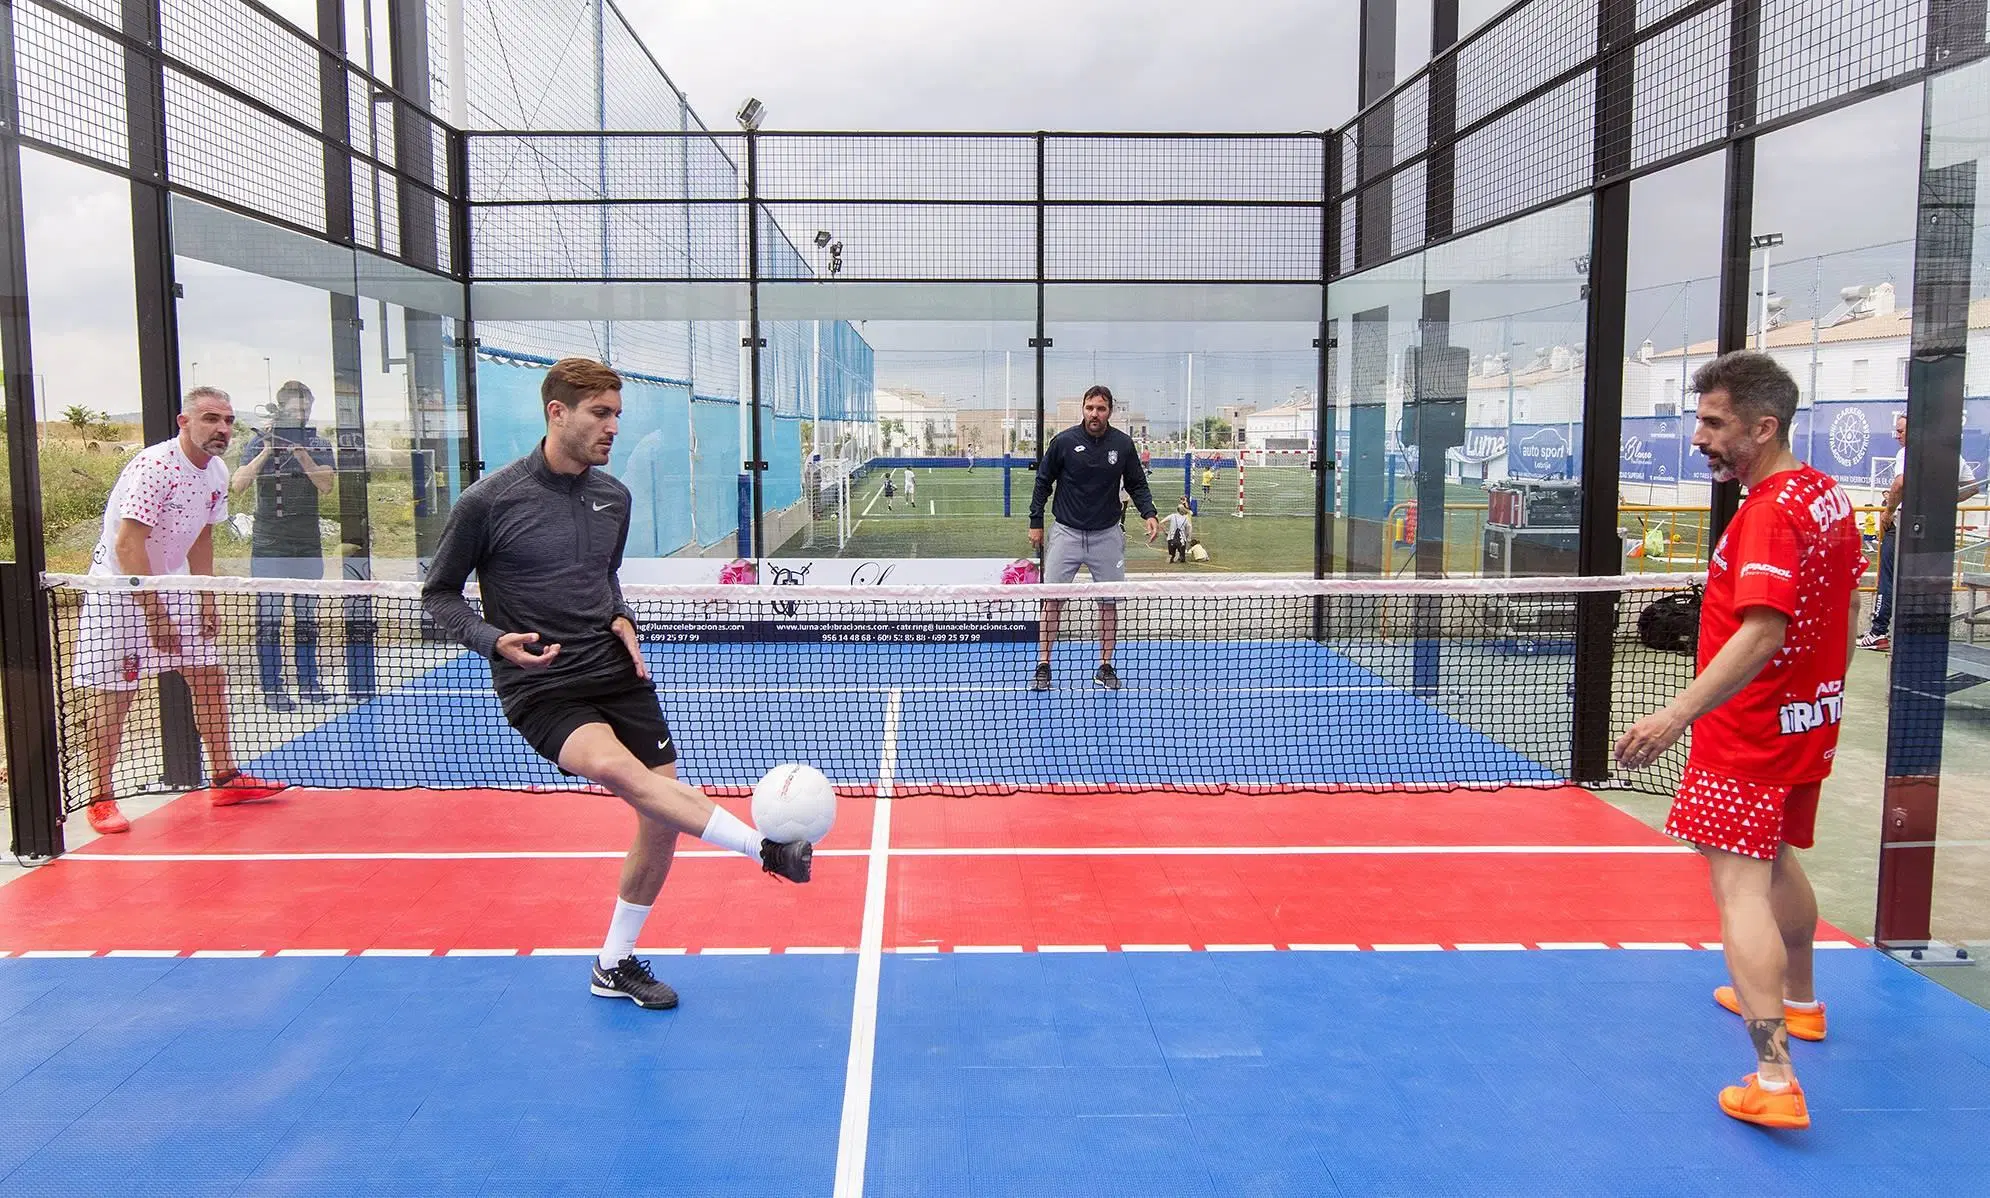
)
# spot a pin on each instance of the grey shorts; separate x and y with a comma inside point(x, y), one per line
point(1102, 551)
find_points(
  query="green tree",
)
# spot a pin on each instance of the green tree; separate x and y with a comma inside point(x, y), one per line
point(1212, 431)
point(80, 418)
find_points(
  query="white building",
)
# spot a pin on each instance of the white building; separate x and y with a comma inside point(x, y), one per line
point(1289, 426)
point(911, 424)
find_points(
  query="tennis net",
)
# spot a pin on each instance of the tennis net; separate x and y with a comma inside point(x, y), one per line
point(1254, 685)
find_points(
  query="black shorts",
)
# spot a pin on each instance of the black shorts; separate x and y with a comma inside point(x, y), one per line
point(627, 705)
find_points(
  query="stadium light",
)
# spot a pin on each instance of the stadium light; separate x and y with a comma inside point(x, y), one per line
point(1764, 242)
point(751, 114)
point(821, 238)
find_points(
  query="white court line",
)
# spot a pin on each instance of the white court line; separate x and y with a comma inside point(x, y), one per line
point(735, 952)
point(143, 952)
point(853, 1140)
point(1071, 948)
point(1324, 948)
point(313, 952)
point(1490, 948)
point(397, 952)
point(481, 952)
point(1019, 687)
point(226, 954)
point(1656, 945)
point(814, 951)
point(56, 953)
point(1569, 945)
point(1240, 948)
point(1189, 850)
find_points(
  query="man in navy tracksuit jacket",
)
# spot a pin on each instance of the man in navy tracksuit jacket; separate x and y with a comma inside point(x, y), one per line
point(1086, 465)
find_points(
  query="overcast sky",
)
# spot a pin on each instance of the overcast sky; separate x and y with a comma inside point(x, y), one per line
point(1831, 186)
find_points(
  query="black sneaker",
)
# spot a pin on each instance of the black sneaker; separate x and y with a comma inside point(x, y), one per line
point(632, 979)
point(790, 861)
point(1106, 676)
point(1040, 681)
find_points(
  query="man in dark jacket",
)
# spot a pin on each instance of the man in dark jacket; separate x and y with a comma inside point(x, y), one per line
point(1086, 465)
point(545, 537)
point(290, 466)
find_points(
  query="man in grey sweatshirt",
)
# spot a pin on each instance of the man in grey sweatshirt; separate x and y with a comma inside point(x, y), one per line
point(545, 536)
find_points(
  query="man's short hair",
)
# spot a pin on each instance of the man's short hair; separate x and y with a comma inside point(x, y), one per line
point(204, 392)
point(1755, 385)
point(293, 389)
point(571, 379)
point(1102, 391)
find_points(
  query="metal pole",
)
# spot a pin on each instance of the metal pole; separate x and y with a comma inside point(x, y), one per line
point(1762, 321)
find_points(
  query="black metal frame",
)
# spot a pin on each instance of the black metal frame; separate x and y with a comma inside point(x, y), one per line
point(26, 673)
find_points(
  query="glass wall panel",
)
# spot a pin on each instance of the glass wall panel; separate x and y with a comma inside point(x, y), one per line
point(1458, 378)
point(914, 421)
point(678, 449)
point(1219, 388)
point(85, 332)
point(1958, 125)
point(1671, 326)
point(1838, 262)
point(1373, 320)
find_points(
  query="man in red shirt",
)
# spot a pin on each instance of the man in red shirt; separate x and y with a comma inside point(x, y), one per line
point(1775, 638)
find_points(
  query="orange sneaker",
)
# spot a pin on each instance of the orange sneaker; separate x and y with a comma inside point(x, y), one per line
point(238, 787)
point(1750, 1103)
point(107, 819)
point(1803, 1025)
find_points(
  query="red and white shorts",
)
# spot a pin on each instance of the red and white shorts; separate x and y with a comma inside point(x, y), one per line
point(1754, 819)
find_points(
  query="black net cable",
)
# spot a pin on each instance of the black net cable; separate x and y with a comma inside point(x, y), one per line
point(1225, 685)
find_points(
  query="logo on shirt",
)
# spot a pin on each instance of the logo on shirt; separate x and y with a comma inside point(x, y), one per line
point(1800, 717)
point(1112, 457)
point(1077, 449)
point(602, 507)
point(1765, 568)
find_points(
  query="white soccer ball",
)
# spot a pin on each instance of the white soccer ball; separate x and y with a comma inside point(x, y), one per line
point(794, 802)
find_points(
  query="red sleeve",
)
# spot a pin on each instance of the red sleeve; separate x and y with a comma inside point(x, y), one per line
point(1769, 552)
point(144, 500)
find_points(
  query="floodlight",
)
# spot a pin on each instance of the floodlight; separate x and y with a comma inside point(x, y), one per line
point(821, 238)
point(750, 114)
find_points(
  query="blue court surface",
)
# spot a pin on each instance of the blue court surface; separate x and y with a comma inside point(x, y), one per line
point(1085, 1074)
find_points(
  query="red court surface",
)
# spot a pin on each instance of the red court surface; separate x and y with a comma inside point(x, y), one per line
point(421, 872)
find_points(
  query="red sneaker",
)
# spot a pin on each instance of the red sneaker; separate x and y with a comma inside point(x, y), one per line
point(239, 787)
point(107, 819)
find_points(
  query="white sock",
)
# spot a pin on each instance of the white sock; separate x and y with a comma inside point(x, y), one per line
point(623, 929)
point(1771, 1087)
point(727, 832)
point(1794, 1005)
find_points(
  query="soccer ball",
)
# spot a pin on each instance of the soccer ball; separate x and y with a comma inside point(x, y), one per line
point(794, 802)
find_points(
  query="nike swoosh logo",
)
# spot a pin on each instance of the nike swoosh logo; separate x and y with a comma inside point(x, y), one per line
point(602, 507)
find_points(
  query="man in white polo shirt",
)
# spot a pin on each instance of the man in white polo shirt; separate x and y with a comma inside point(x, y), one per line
point(159, 520)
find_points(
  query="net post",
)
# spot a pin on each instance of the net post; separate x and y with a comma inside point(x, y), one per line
point(29, 688)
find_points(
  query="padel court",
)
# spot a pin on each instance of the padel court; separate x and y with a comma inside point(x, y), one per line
point(1122, 983)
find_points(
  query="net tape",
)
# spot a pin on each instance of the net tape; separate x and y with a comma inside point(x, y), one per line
point(1248, 685)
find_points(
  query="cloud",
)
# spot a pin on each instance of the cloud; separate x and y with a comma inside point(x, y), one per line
point(1023, 64)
